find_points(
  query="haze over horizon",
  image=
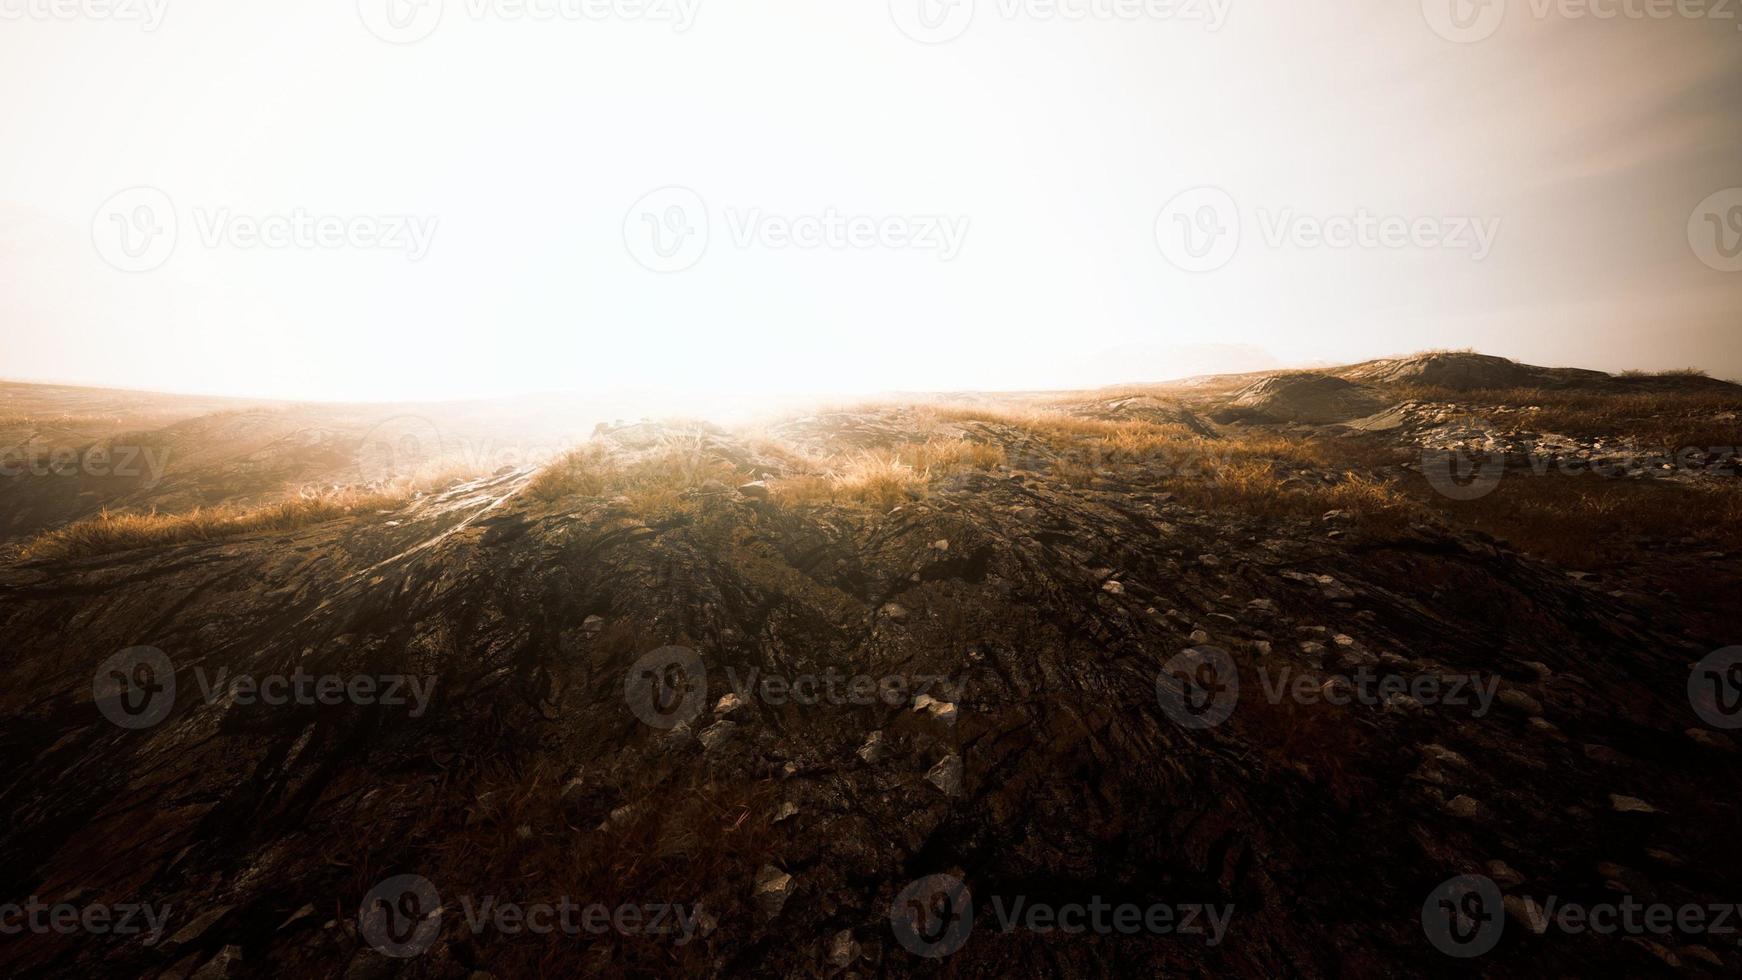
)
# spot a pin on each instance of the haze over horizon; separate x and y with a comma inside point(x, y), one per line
point(488, 203)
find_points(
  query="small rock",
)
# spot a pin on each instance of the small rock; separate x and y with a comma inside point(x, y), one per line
point(1520, 702)
point(228, 963)
point(1712, 740)
point(1603, 754)
point(1112, 587)
point(717, 734)
point(592, 624)
point(947, 775)
point(1504, 874)
point(1440, 753)
point(1198, 638)
point(895, 612)
point(1526, 913)
point(843, 951)
point(773, 888)
point(1630, 804)
point(787, 811)
point(874, 750)
point(197, 928)
point(941, 544)
point(1541, 670)
point(1463, 806)
point(1343, 640)
point(728, 704)
point(1266, 606)
point(755, 490)
point(1262, 647)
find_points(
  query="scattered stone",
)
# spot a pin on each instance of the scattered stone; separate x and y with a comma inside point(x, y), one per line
point(773, 888)
point(947, 775)
point(1312, 648)
point(1712, 740)
point(941, 544)
point(874, 750)
point(306, 912)
point(592, 624)
point(1520, 702)
point(755, 490)
point(717, 734)
point(1464, 807)
point(787, 811)
point(1198, 638)
point(228, 963)
point(843, 951)
point(1440, 753)
point(1265, 606)
point(895, 612)
point(728, 704)
point(1112, 587)
point(1630, 804)
point(1526, 912)
point(1343, 640)
point(1504, 874)
point(1262, 647)
point(197, 928)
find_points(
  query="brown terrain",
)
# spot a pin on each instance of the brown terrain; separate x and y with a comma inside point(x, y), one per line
point(1037, 585)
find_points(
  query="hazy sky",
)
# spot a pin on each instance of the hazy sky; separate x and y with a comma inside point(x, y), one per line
point(700, 195)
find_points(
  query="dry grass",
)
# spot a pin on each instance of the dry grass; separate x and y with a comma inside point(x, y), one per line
point(660, 482)
point(887, 477)
point(108, 533)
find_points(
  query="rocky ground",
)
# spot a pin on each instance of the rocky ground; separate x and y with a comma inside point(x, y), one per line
point(768, 721)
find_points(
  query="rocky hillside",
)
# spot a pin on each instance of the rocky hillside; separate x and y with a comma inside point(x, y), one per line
point(901, 689)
